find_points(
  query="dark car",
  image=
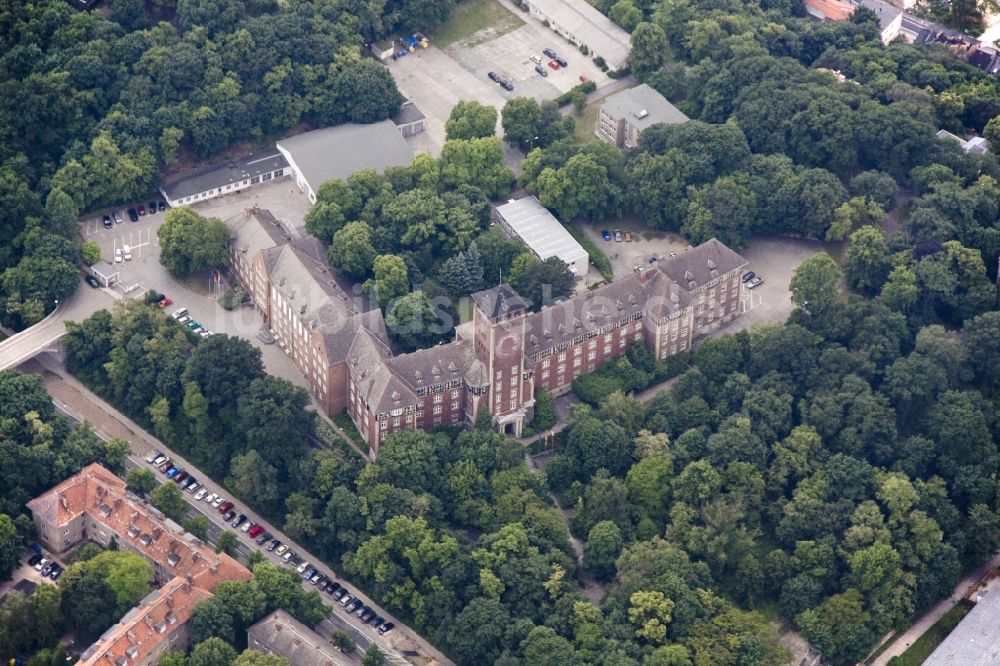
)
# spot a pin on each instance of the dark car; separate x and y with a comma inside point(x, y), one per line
point(274, 544)
point(225, 507)
point(549, 53)
point(228, 515)
point(309, 573)
point(34, 559)
point(318, 582)
point(107, 222)
point(162, 206)
point(339, 593)
point(386, 628)
point(152, 207)
point(89, 279)
point(133, 215)
point(367, 614)
point(541, 70)
point(47, 569)
point(562, 63)
point(494, 76)
point(749, 275)
point(332, 586)
point(506, 85)
point(353, 606)
point(376, 621)
point(181, 476)
point(142, 211)
point(240, 519)
point(56, 572)
point(266, 536)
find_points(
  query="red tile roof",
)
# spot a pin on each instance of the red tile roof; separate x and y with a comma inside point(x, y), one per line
point(832, 10)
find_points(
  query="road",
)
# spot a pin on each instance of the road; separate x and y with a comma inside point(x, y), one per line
point(401, 646)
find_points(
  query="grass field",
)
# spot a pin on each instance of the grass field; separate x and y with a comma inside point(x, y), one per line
point(923, 646)
point(586, 122)
point(470, 17)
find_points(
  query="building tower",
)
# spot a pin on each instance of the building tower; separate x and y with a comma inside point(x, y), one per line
point(499, 324)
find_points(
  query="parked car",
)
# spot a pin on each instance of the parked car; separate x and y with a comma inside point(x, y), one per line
point(549, 53)
point(562, 63)
point(280, 549)
point(211, 497)
point(192, 324)
point(152, 207)
point(34, 559)
point(274, 545)
point(188, 482)
point(628, 236)
point(239, 520)
point(332, 586)
point(754, 283)
point(225, 506)
point(749, 275)
point(386, 628)
point(339, 593)
point(174, 471)
point(219, 501)
point(302, 567)
point(247, 526)
point(541, 70)
point(89, 279)
point(506, 85)
point(287, 557)
point(133, 215)
point(353, 606)
point(229, 515)
point(618, 236)
point(162, 206)
point(201, 494)
point(165, 301)
point(41, 563)
point(185, 319)
point(127, 251)
point(606, 235)
point(494, 77)
point(107, 221)
point(195, 485)
point(56, 572)
point(296, 560)
point(346, 599)
point(47, 568)
point(179, 312)
point(165, 467)
point(366, 614)
point(118, 255)
point(376, 621)
point(180, 476)
point(553, 64)
point(255, 531)
point(119, 218)
point(153, 456)
point(142, 211)
point(537, 59)
point(317, 579)
point(159, 460)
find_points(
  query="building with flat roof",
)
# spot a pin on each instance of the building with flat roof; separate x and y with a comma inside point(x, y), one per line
point(976, 639)
point(580, 23)
point(976, 145)
point(337, 152)
point(105, 273)
point(93, 505)
point(409, 119)
point(626, 114)
point(281, 634)
point(229, 177)
point(532, 222)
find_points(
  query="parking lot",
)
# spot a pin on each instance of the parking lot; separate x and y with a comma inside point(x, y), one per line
point(436, 79)
point(144, 271)
point(646, 244)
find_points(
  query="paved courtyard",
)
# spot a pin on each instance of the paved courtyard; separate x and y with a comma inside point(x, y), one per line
point(144, 270)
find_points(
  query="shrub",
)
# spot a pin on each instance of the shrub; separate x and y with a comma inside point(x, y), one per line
point(567, 97)
point(599, 61)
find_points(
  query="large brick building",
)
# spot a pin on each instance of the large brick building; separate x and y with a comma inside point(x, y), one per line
point(497, 360)
point(93, 505)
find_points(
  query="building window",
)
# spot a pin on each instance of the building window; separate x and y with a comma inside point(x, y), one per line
point(438, 398)
point(454, 406)
point(454, 394)
point(385, 424)
point(607, 349)
point(437, 409)
point(562, 356)
point(381, 437)
point(513, 404)
point(513, 393)
point(499, 374)
point(545, 374)
point(513, 369)
point(395, 422)
point(577, 362)
point(437, 421)
point(592, 354)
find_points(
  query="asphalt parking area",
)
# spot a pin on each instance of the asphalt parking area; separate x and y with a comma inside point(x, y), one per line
point(626, 256)
point(774, 259)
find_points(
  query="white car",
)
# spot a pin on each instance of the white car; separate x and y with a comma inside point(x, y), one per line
point(127, 251)
point(118, 255)
point(537, 59)
point(201, 493)
point(185, 319)
point(247, 526)
point(179, 312)
point(193, 487)
point(218, 502)
point(754, 283)
point(211, 498)
point(204, 333)
point(281, 550)
point(302, 568)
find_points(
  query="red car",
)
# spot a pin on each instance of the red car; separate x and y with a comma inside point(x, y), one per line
point(226, 506)
point(142, 210)
point(255, 531)
point(165, 301)
point(553, 64)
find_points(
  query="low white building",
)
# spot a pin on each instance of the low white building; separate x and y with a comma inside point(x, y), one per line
point(532, 222)
point(337, 152)
point(217, 180)
point(976, 145)
point(579, 22)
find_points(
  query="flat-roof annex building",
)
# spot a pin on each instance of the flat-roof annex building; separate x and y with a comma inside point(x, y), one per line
point(583, 25)
point(281, 634)
point(626, 114)
point(229, 177)
point(976, 639)
point(337, 152)
point(532, 222)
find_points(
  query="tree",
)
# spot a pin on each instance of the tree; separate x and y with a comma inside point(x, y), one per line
point(373, 656)
point(140, 481)
point(982, 338)
point(625, 14)
point(362, 93)
point(650, 613)
point(10, 547)
point(390, 278)
point(477, 162)
point(343, 642)
point(476, 633)
point(876, 186)
point(414, 323)
point(254, 658)
point(867, 262)
point(604, 545)
point(580, 188)
point(197, 526)
point(519, 120)
point(169, 499)
point(541, 282)
point(227, 543)
point(352, 251)
point(252, 477)
point(649, 49)
point(90, 252)
point(190, 243)
point(814, 284)
point(856, 212)
point(212, 652)
point(470, 120)
point(544, 647)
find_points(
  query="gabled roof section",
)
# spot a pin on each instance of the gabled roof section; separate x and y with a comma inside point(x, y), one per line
point(338, 339)
point(499, 301)
point(434, 365)
point(257, 230)
point(215, 176)
point(700, 265)
point(281, 634)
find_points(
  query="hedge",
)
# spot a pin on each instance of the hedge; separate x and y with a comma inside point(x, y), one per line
point(567, 97)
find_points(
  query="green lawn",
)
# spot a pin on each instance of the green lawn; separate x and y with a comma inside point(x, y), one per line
point(472, 16)
point(586, 122)
point(922, 648)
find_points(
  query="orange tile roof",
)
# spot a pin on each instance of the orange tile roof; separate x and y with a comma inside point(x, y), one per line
point(198, 569)
point(833, 10)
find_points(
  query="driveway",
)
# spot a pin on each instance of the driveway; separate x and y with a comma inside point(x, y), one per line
point(76, 401)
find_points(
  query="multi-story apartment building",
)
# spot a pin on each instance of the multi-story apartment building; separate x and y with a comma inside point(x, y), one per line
point(498, 359)
point(624, 115)
point(94, 505)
